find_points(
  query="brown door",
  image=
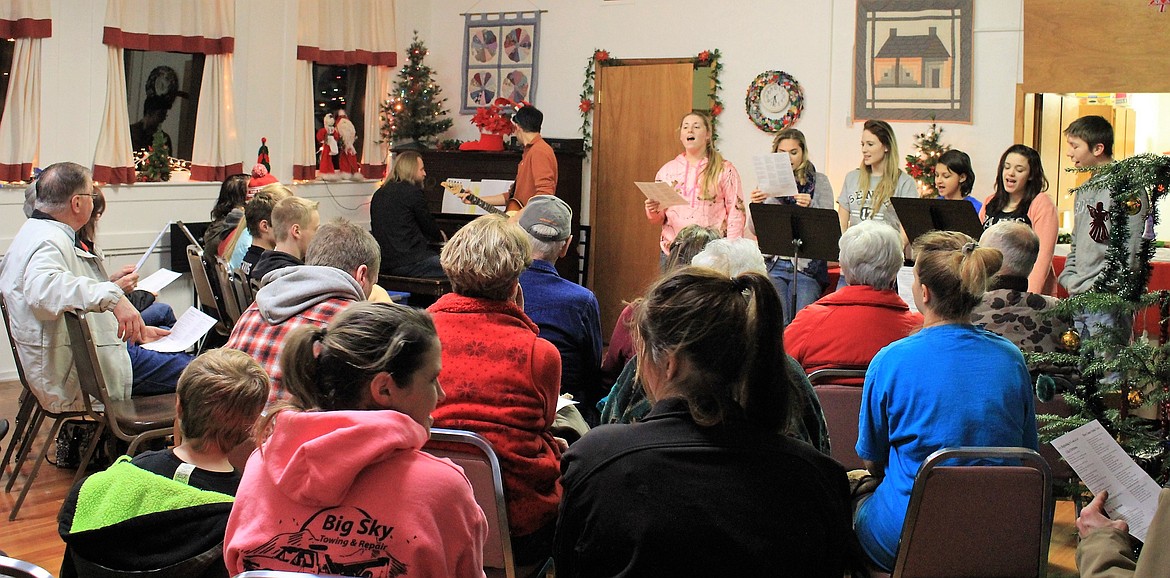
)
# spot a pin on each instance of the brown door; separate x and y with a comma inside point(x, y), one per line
point(639, 106)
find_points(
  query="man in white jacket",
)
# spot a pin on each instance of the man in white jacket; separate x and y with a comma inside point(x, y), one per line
point(46, 273)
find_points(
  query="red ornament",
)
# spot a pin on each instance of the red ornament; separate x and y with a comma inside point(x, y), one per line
point(601, 56)
point(716, 109)
point(704, 56)
point(586, 105)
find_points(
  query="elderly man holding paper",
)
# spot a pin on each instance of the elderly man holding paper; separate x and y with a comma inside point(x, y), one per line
point(45, 273)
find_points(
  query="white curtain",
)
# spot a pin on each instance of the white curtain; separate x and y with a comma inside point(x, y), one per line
point(113, 162)
point(216, 151)
point(379, 81)
point(20, 129)
point(304, 159)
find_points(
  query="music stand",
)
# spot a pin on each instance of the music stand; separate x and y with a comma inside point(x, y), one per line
point(920, 216)
point(795, 231)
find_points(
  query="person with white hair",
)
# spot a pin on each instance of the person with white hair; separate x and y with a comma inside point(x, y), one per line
point(1008, 308)
point(732, 256)
point(848, 327)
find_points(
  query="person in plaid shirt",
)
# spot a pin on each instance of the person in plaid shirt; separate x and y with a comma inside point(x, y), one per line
point(340, 267)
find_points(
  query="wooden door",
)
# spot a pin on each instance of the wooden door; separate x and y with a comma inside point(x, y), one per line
point(639, 106)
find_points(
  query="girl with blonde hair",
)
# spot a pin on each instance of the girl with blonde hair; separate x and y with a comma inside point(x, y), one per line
point(867, 189)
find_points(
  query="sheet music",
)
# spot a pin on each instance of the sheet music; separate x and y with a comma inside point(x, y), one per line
point(193, 325)
point(906, 286)
point(158, 280)
point(1102, 465)
point(153, 245)
point(774, 174)
point(662, 192)
point(455, 205)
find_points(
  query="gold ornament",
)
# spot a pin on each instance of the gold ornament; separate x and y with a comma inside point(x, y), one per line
point(1071, 340)
point(1133, 206)
point(1135, 399)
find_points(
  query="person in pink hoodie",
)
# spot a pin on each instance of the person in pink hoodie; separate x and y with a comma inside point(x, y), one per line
point(339, 484)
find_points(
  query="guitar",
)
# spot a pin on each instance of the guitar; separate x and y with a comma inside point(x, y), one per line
point(512, 208)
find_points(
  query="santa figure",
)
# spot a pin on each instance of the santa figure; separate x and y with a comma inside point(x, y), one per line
point(347, 162)
point(327, 141)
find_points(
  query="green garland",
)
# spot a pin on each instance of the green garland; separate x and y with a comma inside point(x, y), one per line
point(602, 58)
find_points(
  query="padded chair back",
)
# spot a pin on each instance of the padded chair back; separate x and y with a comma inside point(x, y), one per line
point(207, 296)
point(21, 569)
point(978, 520)
point(227, 292)
point(842, 407)
point(475, 455)
point(133, 420)
point(243, 286)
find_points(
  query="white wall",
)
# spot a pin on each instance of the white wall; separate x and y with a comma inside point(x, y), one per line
point(813, 41)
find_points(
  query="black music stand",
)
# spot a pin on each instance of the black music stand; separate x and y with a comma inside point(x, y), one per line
point(795, 231)
point(920, 216)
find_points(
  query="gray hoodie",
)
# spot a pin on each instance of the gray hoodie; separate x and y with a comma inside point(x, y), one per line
point(1090, 239)
point(291, 290)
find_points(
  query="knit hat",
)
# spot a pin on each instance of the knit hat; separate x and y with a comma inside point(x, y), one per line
point(260, 178)
point(547, 218)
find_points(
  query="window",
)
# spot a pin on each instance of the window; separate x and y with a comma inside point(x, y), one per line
point(5, 70)
point(162, 93)
point(340, 87)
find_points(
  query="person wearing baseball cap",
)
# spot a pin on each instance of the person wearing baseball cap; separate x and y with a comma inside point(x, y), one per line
point(567, 313)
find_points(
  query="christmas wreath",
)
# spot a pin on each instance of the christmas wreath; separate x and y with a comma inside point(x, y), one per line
point(795, 101)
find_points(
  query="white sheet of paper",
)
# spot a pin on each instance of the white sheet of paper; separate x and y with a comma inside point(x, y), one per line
point(563, 402)
point(906, 286)
point(158, 280)
point(187, 330)
point(150, 249)
point(774, 174)
point(455, 205)
point(662, 192)
point(1102, 465)
point(489, 187)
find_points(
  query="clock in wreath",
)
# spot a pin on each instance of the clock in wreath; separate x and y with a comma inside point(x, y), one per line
point(774, 101)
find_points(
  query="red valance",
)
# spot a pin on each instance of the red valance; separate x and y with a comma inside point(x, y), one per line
point(345, 32)
point(26, 28)
point(192, 26)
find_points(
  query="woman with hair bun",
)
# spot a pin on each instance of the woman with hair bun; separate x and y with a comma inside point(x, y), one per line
point(707, 483)
point(339, 474)
point(976, 392)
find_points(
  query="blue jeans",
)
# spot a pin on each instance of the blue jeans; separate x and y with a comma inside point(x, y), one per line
point(807, 288)
point(159, 314)
point(155, 372)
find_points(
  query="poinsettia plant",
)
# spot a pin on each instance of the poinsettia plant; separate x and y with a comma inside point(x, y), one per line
point(492, 119)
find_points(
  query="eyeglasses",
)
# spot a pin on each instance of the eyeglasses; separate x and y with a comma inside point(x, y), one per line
point(90, 195)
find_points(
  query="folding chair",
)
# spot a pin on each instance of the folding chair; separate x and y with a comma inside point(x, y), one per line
point(133, 420)
point(34, 416)
point(229, 297)
point(968, 521)
point(841, 405)
point(20, 569)
point(203, 289)
point(475, 455)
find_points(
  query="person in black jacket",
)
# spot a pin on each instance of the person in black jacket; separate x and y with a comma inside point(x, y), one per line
point(402, 223)
point(707, 484)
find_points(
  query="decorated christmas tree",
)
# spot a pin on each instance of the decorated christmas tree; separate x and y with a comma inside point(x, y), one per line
point(920, 165)
point(414, 110)
point(157, 166)
point(1120, 381)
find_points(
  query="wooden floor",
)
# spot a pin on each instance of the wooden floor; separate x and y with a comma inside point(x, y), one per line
point(33, 536)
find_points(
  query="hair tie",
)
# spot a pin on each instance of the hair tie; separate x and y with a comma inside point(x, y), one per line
point(318, 342)
point(740, 284)
point(970, 248)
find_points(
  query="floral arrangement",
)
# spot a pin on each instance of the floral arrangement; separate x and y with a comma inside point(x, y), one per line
point(491, 119)
point(706, 58)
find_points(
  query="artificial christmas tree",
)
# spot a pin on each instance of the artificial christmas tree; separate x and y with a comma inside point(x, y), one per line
point(920, 166)
point(157, 165)
point(414, 110)
point(1123, 382)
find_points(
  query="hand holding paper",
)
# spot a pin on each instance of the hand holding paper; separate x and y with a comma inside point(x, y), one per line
point(774, 173)
point(661, 192)
point(187, 330)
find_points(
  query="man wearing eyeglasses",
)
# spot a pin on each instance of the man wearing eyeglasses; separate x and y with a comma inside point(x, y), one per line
point(46, 273)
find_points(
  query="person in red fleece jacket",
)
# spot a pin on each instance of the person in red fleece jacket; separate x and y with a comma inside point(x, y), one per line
point(502, 381)
point(339, 484)
point(848, 327)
